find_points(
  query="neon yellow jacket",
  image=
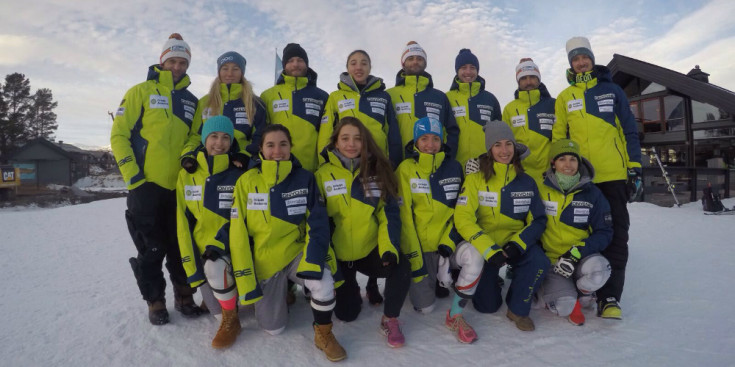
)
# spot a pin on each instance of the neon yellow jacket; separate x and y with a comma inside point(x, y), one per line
point(247, 133)
point(429, 185)
point(277, 212)
point(372, 106)
point(531, 117)
point(595, 113)
point(360, 220)
point(414, 97)
point(473, 107)
point(152, 127)
point(506, 208)
point(297, 104)
point(203, 203)
point(580, 218)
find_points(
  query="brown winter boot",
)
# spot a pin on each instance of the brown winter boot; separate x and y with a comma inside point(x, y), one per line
point(522, 322)
point(157, 313)
point(228, 329)
point(325, 341)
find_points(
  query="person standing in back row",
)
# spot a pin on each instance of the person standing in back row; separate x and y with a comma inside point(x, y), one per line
point(472, 105)
point(151, 129)
point(414, 97)
point(594, 112)
point(298, 104)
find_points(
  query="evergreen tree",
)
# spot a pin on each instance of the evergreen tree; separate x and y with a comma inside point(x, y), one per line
point(16, 95)
point(41, 117)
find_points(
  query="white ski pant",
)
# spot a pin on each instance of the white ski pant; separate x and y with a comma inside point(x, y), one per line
point(560, 293)
point(466, 258)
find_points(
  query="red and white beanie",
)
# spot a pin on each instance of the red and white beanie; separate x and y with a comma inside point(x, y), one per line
point(527, 67)
point(412, 49)
point(175, 47)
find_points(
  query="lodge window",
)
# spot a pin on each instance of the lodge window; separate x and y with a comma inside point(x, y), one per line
point(659, 114)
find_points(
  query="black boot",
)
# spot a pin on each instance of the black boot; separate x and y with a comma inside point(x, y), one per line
point(187, 307)
point(440, 291)
point(372, 291)
point(157, 313)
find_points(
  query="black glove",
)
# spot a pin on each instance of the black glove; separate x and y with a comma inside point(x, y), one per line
point(389, 259)
point(189, 164)
point(634, 186)
point(512, 251)
point(497, 260)
point(444, 250)
point(241, 158)
point(567, 262)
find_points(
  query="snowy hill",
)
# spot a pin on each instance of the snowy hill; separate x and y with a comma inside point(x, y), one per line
point(69, 299)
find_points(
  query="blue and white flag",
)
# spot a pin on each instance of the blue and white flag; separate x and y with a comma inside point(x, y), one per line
point(279, 67)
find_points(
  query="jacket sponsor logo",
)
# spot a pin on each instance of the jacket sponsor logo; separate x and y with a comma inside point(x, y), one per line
point(575, 105)
point(546, 120)
point(487, 198)
point(372, 189)
point(281, 105)
point(581, 211)
point(521, 201)
point(335, 187)
point(120, 111)
point(345, 105)
point(521, 194)
point(450, 195)
point(486, 112)
point(225, 196)
point(185, 259)
point(257, 201)
point(582, 204)
point(520, 209)
point(157, 101)
point(225, 188)
point(124, 160)
point(242, 273)
point(420, 186)
point(294, 193)
point(233, 213)
point(296, 201)
point(459, 111)
point(296, 210)
point(580, 218)
point(605, 96)
point(225, 204)
point(462, 200)
point(242, 121)
point(608, 219)
point(451, 187)
point(403, 107)
point(313, 106)
point(450, 180)
point(518, 121)
point(192, 193)
point(377, 105)
point(552, 207)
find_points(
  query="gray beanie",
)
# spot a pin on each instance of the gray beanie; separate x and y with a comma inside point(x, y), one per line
point(496, 131)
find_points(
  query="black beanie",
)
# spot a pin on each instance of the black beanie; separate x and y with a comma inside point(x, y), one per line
point(293, 50)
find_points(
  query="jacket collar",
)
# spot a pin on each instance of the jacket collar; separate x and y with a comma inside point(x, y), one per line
point(164, 77)
point(230, 92)
point(300, 81)
point(213, 164)
point(533, 96)
point(420, 82)
point(586, 173)
point(468, 88)
point(346, 83)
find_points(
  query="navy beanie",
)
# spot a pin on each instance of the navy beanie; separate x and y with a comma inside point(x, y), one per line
point(217, 123)
point(231, 56)
point(465, 57)
point(293, 50)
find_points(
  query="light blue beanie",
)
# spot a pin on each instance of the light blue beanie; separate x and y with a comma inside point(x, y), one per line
point(426, 125)
point(217, 124)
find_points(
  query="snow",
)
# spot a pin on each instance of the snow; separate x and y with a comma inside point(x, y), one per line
point(102, 183)
point(69, 299)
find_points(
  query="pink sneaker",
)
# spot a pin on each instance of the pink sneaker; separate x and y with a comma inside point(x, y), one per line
point(465, 333)
point(390, 327)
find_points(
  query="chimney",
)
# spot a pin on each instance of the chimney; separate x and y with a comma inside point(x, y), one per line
point(698, 74)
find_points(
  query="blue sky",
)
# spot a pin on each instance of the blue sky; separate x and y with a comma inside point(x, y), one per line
point(89, 54)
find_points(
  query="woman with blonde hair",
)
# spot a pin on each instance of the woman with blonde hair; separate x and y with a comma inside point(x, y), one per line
point(231, 95)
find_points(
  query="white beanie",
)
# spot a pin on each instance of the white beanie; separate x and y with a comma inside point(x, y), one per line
point(579, 46)
point(527, 67)
point(412, 49)
point(175, 47)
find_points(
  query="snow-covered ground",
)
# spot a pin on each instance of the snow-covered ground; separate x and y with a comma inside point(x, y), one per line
point(102, 183)
point(69, 299)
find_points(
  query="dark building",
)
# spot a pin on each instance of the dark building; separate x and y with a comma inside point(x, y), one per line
point(690, 122)
point(42, 162)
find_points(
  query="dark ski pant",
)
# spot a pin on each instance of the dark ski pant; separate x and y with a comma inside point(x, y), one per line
point(617, 251)
point(397, 283)
point(151, 218)
point(529, 272)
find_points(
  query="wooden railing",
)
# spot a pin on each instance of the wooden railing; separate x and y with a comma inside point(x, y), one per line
point(692, 179)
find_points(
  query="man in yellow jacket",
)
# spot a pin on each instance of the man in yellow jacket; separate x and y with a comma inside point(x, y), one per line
point(594, 112)
point(298, 104)
point(151, 129)
point(531, 117)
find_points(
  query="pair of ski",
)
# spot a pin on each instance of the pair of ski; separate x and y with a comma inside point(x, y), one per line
point(723, 212)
